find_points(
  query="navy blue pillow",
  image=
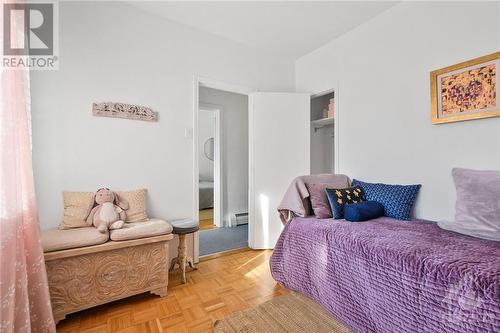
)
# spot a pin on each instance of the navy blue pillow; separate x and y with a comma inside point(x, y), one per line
point(363, 211)
point(398, 200)
point(338, 198)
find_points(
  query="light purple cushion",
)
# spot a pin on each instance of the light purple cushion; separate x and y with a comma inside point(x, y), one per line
point(477, 211)
point(319, 201)
point(478, 196)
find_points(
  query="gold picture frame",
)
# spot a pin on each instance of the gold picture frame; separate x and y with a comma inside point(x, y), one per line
point(466, 91)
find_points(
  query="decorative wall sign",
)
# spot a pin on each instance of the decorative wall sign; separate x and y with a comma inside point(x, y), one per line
point(122, 110)
point(466, 91)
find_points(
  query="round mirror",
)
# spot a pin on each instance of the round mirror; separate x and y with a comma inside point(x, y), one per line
point(209, 149)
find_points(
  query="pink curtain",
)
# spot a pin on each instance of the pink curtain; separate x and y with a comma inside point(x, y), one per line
point(24, 303)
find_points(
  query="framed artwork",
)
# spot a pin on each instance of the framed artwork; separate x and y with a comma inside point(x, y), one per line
point(466, 91)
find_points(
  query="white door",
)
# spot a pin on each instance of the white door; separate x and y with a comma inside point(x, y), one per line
point(279, 152)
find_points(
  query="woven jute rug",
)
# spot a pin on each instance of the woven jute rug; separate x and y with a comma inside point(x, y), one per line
point(290, 313)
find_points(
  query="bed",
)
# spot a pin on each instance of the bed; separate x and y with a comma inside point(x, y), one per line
point(392, 276)
point(206, 194)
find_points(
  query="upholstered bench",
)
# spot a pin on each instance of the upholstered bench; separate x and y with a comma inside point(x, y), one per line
point(86, 268)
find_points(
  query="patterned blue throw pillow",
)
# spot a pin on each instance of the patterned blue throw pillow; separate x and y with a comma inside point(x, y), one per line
point(398, 200)
point(339, 198)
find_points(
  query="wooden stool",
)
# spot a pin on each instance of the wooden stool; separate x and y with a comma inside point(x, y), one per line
point(182, 228)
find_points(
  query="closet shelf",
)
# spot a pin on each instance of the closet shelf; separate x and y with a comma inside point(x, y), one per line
point(319, 123)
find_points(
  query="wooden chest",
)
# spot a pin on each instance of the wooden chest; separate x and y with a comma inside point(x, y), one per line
point(85, 277)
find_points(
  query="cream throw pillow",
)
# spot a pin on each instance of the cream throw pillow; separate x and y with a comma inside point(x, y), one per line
point(76, 206)
point(137, 205)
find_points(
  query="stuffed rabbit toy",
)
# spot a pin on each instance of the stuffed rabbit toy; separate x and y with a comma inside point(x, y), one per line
point(108, 211)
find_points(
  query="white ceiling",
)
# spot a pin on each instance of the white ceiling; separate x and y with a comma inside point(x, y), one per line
point(289, 28)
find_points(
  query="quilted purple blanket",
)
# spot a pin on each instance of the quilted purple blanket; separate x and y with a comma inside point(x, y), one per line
point(392, 276)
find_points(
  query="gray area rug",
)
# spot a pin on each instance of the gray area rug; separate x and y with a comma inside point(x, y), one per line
point(223, 239)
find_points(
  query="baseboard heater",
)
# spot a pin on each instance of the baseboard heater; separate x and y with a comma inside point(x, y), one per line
point(239, 219)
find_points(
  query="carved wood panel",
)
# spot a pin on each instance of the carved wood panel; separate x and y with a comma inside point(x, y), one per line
point(83, 281)
point(123, 110)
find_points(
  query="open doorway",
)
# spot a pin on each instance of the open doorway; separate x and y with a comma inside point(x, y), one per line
point(222, 180)
point(208, 162)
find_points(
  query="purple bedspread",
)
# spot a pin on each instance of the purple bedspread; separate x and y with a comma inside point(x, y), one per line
point(392, 276)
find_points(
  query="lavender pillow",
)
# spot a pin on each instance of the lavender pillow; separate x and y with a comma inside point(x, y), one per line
point(319, 201)
point(477, 211)
point(478, 196)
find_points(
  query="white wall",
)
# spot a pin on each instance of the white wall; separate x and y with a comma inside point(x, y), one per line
point(206, 130)
point(382, 68)
point(234, 128)
point(114, 52)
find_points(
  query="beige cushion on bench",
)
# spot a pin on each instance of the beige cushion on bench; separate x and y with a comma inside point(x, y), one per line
point(56, 239)
point(152, 227)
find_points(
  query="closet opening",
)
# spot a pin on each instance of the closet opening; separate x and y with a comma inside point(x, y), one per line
point(323, 116)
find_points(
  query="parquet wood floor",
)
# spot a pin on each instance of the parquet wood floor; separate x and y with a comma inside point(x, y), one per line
point(221, 285)
point(207, 219)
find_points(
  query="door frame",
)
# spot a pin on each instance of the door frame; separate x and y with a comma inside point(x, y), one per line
point(200, 81)
point(218, 165)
